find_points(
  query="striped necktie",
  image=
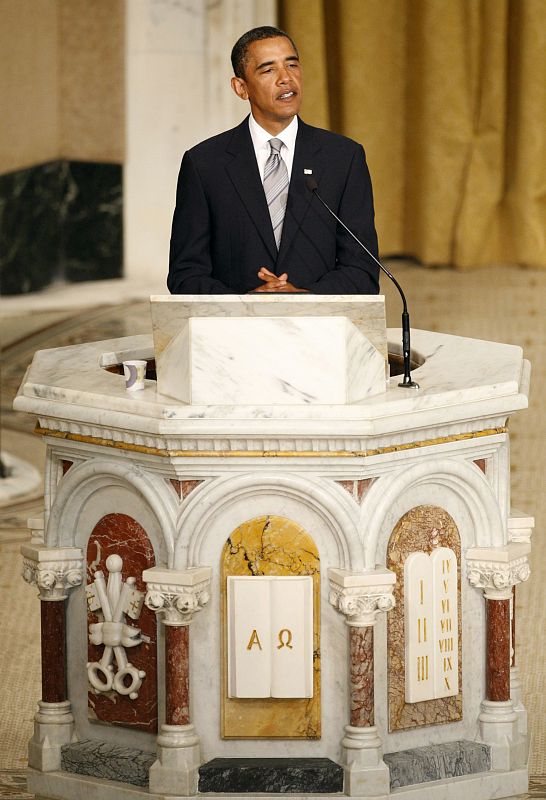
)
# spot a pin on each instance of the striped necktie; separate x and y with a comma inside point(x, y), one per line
point(276, 187)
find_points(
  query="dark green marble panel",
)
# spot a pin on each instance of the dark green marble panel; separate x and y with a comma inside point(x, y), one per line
point(60, 221)
point(92, 232)
point(30, 228)
point(435, 762)
point(107, 760)
point(271, 775)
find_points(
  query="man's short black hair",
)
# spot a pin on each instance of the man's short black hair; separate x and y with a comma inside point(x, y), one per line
point(239, 54)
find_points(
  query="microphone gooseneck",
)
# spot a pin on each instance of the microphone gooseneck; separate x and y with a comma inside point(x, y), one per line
point(312, 186)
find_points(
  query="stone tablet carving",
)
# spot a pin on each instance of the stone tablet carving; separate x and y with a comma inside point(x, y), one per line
point(423, 529)
point(431, 625)
point(270, 636)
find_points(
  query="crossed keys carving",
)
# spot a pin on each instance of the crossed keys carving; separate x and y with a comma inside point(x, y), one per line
point(114, 600)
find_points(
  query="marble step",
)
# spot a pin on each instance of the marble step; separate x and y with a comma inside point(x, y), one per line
point(272, 775)
point(106, 760)
point(436, 762)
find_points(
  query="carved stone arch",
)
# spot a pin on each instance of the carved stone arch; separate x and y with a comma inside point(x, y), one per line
point(467, 484)
point(421, 530)
point(334, 508)
point(84, 480)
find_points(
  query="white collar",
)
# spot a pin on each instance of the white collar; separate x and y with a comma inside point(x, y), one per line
point(261, 137)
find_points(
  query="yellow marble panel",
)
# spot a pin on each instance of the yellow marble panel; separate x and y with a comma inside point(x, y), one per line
point(271, 545)
point(423, 528)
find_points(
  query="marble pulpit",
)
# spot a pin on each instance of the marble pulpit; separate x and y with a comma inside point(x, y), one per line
point(274, 570)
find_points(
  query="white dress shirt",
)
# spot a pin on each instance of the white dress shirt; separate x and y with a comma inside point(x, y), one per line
point(262, 148)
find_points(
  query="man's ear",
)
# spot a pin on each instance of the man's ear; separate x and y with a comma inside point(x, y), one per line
point(239, 87)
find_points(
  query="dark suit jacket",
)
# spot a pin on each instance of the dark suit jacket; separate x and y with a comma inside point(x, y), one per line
point(222, 231)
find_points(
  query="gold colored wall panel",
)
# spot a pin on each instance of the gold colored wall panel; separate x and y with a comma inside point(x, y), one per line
point(91, 74)
point(62, 82)
point(29, 96)
point(271, 545)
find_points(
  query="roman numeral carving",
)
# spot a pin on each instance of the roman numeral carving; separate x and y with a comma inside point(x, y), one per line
point(431, 625)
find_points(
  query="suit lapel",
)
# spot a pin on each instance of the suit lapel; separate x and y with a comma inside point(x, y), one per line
point(244, 174)
point(299, 197)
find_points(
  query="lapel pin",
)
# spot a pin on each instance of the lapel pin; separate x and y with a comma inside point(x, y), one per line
point(307, 171)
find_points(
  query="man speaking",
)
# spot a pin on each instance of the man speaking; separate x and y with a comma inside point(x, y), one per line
point(245, 220)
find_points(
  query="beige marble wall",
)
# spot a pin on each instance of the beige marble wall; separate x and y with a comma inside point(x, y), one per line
point(131, 81)
point(178, 93)
point(29, 96)
point(61, 81)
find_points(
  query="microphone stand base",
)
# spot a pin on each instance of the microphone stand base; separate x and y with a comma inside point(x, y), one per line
point(409, 384)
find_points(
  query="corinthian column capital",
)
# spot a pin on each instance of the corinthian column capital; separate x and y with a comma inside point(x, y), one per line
point(497, 570)
point(54, 570)
point(177, 594)
point(361, 596)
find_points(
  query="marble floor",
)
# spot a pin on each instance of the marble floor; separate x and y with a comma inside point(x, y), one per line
point(500, 304)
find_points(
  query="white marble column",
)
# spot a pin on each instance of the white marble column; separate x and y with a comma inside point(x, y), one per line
point(55, 571)
point(176, 595)
point(361, 598)
point(177, 93)
point(496, 571)
point(520, 529)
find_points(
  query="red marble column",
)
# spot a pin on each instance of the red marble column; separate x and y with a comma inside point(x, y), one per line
point(361, 675)
point(53, 651)
point(177, 674)
point(498, 650)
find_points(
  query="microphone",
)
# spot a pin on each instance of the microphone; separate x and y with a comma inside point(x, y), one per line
point(407, 382)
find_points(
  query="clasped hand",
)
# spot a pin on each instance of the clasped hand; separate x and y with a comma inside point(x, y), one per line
point(275, 283)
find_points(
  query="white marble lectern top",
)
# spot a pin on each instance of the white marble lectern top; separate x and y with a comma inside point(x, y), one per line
point(277, 350)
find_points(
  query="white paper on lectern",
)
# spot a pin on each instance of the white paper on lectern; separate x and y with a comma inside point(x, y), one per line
point(270, 636)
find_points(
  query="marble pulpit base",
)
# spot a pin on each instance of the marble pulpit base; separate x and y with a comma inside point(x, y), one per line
point(487, 786)
point(348, 474)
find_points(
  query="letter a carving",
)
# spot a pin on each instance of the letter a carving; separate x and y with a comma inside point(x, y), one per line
point(254, 639)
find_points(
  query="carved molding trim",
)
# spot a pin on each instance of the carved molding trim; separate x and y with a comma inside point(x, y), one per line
point(297, 447)
point(53, 570)
point(498, 572)
point(361, 597)
point(177, 594)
